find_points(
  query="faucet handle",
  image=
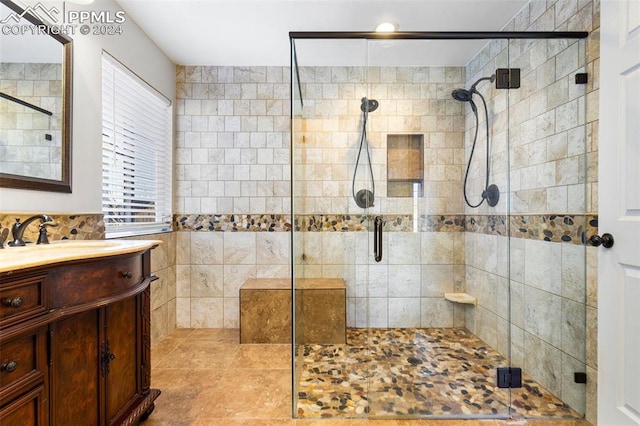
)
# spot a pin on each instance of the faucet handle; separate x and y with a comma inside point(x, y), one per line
point(3, 237)
point(16, 229)
point(42, 232)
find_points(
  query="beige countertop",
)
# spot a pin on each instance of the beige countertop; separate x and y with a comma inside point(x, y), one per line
point(32, 255)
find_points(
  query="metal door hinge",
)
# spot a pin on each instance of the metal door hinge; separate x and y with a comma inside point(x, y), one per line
point(509, 377)
point(582, 78)
point(508, 78)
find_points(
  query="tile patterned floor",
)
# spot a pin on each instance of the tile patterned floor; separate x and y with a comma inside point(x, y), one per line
point(414, 373)
point(207, 379)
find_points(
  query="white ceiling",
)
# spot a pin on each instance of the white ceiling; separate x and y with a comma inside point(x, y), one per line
point(256, 32)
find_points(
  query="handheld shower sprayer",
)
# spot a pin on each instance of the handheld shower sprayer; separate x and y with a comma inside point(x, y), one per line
point(464, 95)
point(368, 105)
point(491, 193)
point(364, 198)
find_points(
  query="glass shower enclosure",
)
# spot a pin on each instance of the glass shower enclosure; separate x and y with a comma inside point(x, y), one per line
point(438, 208)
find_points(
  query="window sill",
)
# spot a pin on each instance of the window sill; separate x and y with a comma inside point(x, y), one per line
point(137, 230)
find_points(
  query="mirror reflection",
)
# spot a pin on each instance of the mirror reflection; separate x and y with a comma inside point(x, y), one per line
point(34, 144)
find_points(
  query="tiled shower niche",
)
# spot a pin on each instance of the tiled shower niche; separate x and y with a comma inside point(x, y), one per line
point(405, 165)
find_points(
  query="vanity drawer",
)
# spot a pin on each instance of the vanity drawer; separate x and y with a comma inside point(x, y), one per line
point(22, 363)
point(100, 278)
point(28, 410)
point(22, 299)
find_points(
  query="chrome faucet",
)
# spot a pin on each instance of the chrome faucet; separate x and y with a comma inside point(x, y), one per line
point(17, 229)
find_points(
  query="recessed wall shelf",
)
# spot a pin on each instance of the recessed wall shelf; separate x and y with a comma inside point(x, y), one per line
point(465, 298)
point(405, 165)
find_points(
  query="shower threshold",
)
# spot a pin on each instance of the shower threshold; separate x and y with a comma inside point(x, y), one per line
point(414, 373)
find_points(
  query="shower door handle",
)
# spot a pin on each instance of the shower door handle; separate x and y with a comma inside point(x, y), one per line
point(377, 238)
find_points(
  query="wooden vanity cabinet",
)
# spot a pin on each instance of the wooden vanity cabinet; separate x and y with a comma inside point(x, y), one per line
point(86, 359)
point(23, 379)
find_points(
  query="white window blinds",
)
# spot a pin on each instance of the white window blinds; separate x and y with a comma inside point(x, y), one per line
point(136, 154)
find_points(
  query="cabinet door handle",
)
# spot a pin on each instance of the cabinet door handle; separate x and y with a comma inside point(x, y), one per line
point(127, 274)
point(106, 358)
point(9, 367)
point(13, 302)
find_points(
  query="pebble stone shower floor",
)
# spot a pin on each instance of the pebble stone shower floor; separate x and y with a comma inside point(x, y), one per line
point(413, 372)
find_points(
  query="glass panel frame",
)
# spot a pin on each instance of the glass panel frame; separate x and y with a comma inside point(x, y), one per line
point(548, 220)
point(495, 235)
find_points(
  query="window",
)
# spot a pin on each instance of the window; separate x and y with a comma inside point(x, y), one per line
point(136, 154)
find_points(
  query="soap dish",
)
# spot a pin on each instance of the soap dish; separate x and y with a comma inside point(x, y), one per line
point(460, 298)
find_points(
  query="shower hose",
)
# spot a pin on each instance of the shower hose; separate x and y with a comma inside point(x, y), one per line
point(363, 199)
point(473, 148)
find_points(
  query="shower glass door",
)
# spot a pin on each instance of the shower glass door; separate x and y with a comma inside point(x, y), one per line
point(443, 184)
point(438, 299)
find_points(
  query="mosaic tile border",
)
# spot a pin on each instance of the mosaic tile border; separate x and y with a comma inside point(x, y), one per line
point(559, 228)
point(70, 226)
point(568, 228)
point(313, 223)
point(232, 223)
point(443, 223)
point(392, 223)
point(486, 224)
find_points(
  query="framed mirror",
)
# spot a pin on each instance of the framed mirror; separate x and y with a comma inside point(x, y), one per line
point(35, 100)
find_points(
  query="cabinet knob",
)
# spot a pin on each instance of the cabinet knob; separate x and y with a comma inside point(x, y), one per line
point(13, 302)
point(9, 367)
point(127, 274)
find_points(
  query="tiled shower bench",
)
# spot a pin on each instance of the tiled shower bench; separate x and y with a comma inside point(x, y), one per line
point(265, 310)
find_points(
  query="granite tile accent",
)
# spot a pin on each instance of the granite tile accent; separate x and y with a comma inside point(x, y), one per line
point(556, 228)
point(443, 223)
point(392, 223)
point(231, 223)
point(486, 224)
point(70, 227)
point(567, 228)
point(329, 223)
